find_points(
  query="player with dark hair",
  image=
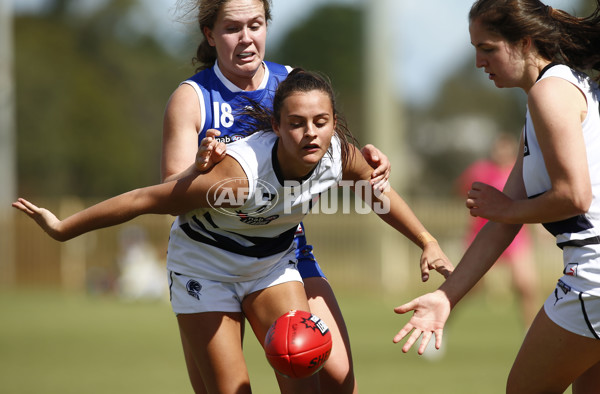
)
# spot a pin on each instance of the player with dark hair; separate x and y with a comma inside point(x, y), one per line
point(202, 116)
point(555, 181)
point(231, 252)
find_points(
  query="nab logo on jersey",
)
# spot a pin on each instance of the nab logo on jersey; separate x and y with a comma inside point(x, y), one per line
point(229, 138)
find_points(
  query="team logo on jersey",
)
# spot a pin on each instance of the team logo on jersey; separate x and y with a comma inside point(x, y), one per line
point(571, 269)
point(563, 286)
point(193, 288)
point(255, 220)
point(227, 195)
point(560, 286)
point(556, 296)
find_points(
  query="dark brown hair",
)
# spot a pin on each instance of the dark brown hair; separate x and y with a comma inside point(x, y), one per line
point(557, 35)
point(299, 80)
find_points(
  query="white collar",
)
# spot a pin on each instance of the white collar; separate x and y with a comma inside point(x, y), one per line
point(232, 87)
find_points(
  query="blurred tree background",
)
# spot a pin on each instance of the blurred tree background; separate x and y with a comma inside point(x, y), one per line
point(91, 90)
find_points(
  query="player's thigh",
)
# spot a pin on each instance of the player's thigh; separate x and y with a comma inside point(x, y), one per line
point(337, 376)
point(264, 306)
point(192, 369)
point(551, 358)
point(213, 341)
point(589, 382)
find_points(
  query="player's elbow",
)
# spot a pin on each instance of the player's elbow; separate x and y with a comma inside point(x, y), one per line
point(582, 202)
point(579, 199)
point(59, 237)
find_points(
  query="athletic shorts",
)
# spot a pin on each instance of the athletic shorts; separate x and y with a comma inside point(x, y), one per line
point(574, 311)
point(191, 294)
point(307, 264)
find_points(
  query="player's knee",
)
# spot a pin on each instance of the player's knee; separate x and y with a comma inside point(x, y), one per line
point(337, 384)
point(338, 376)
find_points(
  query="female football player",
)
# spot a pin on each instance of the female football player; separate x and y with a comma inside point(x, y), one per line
point(201, 117)
point(555, 181)
point(231, 252)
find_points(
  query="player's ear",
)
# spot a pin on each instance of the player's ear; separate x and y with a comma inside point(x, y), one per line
point(275, 126)
point(526, 44)
point(209, 37)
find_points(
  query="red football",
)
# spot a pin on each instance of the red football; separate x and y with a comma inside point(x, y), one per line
point(298, 344)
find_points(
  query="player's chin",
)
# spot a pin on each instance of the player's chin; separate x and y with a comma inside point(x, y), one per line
point(310, 163)
point(312, 156)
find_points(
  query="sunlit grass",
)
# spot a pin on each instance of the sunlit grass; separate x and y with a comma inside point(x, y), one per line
point(59, 343)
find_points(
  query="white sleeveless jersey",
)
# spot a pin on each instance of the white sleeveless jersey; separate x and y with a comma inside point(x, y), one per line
point(578, 237)
point(238, 244)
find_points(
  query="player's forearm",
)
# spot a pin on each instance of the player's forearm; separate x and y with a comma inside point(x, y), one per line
point(111, 212)
point(393, 210)
point(487, 247)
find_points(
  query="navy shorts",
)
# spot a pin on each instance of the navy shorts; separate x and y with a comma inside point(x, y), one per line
point(307, 264)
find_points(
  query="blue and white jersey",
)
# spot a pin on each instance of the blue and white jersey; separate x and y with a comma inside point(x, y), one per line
point(579, 236)
point(237, 244)
point(221, 101)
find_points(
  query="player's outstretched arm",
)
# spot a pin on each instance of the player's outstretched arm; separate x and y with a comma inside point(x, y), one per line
point(43, 217)
point(111, 212)
point(390, 207)
point(432, 310)
point(176, 197)
point(402, 218)
point(116, 210)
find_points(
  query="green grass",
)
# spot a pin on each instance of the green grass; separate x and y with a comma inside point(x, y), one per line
point(53, 342)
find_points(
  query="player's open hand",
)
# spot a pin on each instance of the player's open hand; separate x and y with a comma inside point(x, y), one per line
point(43, 217)
point(380, 162)
point(430, 314)
point(210, 152)
point(433, 258)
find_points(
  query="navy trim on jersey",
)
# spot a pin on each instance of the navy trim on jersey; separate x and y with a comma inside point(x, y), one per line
point(571, 225)
point(587, 319)
point(580, 242)
point(208, 219)
point(263, 246)
point(277, 167)
point(171, 286)
point(525, 143)
point(548, 67)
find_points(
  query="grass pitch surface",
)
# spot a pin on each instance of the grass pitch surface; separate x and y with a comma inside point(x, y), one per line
point(52, 342)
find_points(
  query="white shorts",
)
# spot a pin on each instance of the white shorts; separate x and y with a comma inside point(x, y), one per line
point(574, 311)
point(195, 295)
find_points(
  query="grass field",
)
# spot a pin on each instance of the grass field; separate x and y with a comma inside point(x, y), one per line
point(53, 342)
